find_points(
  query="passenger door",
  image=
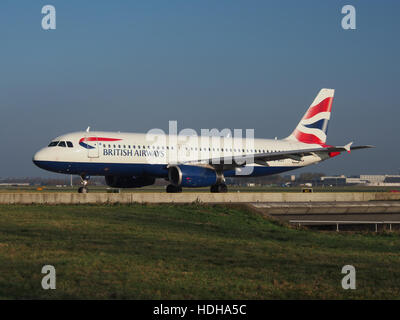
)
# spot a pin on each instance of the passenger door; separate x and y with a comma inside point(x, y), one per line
point(93, 146)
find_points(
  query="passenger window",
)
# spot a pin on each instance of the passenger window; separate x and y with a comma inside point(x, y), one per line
point(53, 143)
point(62, 144)
point(69, 144)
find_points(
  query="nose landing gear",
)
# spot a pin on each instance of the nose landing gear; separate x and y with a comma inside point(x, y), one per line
point(84, 182)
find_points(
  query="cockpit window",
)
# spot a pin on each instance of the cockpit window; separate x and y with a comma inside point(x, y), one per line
point(69, 144)
point(53, 143)
point(62, 144)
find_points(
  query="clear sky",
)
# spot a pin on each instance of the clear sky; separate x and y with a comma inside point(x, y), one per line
point(133, 65)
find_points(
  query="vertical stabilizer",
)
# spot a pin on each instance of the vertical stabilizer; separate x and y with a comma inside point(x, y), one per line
point(313, 127)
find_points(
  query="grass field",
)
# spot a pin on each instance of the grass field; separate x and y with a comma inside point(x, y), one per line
point(185, 252)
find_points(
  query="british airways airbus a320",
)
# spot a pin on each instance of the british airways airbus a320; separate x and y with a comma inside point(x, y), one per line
point(128, 161)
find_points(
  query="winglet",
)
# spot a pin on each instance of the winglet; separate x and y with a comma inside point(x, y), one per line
point(88, 129)
point(347, 147)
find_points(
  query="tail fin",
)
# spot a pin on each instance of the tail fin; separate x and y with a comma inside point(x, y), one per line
point(313, 127)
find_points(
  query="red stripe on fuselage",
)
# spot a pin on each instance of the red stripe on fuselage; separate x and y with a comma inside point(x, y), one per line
point(307, 137)
point(98, 139)
point(324, 106)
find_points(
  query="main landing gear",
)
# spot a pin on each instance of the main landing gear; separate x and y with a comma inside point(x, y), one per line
point(215, 188)
point(219, 188)
point(173, 189)
point(84, 182)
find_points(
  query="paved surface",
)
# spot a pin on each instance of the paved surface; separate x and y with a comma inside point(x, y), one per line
point(372, 217)
point(318, 207)
point(331, 198)
point(339, 216)
point(331, 208)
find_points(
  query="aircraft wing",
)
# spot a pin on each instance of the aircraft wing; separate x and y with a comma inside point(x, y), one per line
point(262, 158)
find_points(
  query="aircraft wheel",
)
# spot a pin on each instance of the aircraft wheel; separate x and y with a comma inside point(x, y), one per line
point(173, 189)
point(83, 190)
point(222, 188)
point(219, 188)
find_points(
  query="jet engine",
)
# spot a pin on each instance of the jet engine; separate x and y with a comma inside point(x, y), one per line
point(192, 176)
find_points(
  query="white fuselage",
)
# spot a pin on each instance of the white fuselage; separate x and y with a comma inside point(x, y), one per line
point(100, 153)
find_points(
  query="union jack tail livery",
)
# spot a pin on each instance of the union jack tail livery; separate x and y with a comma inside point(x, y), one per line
point(313, 127)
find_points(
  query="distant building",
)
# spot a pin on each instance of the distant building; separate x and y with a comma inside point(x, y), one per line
point(14, 184)
point(382, 180)
point(333, 181)
point(355, 181)
point(372, 180)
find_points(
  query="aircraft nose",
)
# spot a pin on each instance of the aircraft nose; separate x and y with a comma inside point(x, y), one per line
point(38, 157)
point(45, 159)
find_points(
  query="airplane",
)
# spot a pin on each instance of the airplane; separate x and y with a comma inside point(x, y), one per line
point(129, 160)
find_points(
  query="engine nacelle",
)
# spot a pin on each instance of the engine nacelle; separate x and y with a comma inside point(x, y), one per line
point(128, 182)
point(192, 176)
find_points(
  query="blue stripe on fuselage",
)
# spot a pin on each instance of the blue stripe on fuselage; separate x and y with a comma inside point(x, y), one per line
point(136, 169)
point(103, 169)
